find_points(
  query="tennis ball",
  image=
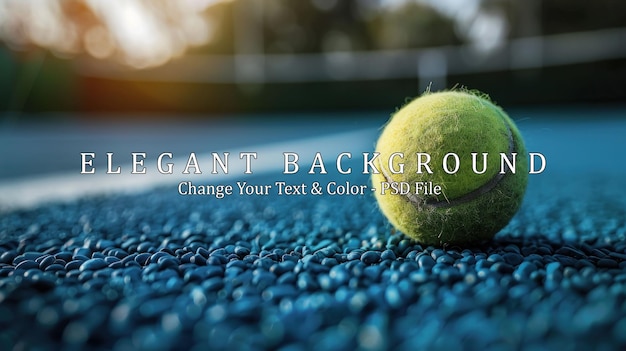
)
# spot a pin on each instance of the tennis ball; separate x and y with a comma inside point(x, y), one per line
point(472, 205)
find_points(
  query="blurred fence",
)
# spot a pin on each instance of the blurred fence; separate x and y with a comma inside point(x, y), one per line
point(243, 56)
point(429, 65)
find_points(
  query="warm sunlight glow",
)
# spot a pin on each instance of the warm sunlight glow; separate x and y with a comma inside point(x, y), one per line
point(139, 33)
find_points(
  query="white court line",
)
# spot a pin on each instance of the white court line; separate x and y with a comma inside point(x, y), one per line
point(35, 191)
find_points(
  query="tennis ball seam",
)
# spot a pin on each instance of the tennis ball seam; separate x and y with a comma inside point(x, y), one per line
point(418, 201)
point(427, 125)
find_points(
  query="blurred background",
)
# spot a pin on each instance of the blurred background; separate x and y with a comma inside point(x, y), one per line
point(201, 58)
point(305, 76)
point(208, 75)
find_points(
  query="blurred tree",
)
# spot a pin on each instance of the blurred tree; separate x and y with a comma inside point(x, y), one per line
point(563, 16)
point(412, 25)
point(302, 26)
point(139, 33)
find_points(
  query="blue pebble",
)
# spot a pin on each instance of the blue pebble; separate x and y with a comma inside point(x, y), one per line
point(339, 274)
point(445, 259)
point(287, 278)
point(406, 267)
point(248, 258)
point(412, 255)
point(54, 268)
point(469, 260)
point(329, 262)
point(210, 271)
point(245, 308)
point(165, 275)
point(212, 260)
point(264, 262)
point(495, 258)
point(393, 297)
point(116, 265)
point(581, 283)
point(93, 264)
point(111, 259)
point(19, 259)
point(450, 276)
point(63, 255)
point(523, 271)
point(425, 262)
point(237, 264)
point(370, 257)
point(145, 247)
point(436, 253)
point(73, 265)
point(154, 258)
point(306, 282)
point(354, 255)
point(373, 273)
point(167, 262)
point(502, 267)
point(8, 257)
point(309, 258)
point(554, 276)
point(439, 267)
point(192, 275)
point(131, 264)
point(82, 251)
point(46, 261)
point(103, 273)
point(325, 282)
point(271, 255)
point(280, 291)
point(357, 268)
point(419, 277)
point(566, 260)
point(607, 263)
point(483, 264)
point(552, 268)
point(519, 291)
point(359, 301)
point(263, 279)
point(241, 251)
point(570, 251)
point(489, 295)
point(513, 259)
point(618, 256)
point(199, 260)
point(27, 264)
point(80, 258)
point(283, 267)
point(512, 248)
point(289, 257)
point(142, 258)
point(388, 255)
point(103, 244)
point(315, 268)
point(119, 253)
point(31, 255)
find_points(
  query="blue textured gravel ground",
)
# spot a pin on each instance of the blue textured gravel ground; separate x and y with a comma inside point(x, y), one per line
point(157, 272)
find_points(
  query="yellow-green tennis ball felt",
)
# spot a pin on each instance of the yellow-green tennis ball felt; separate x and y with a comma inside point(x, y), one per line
point(472, 206)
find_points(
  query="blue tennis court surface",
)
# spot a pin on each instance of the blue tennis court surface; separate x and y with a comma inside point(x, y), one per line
point(155, 270)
